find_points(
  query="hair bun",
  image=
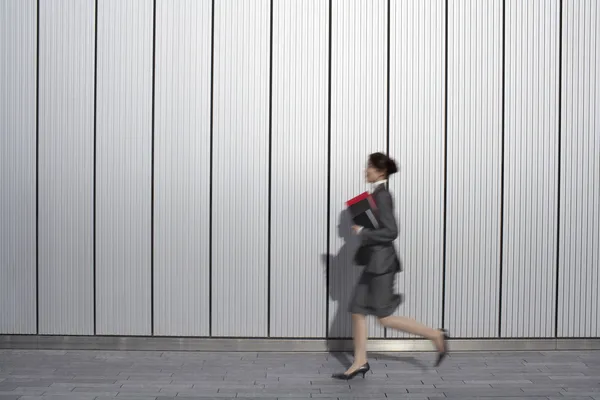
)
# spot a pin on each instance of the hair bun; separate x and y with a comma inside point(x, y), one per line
point(391, 166)
point(383, 163)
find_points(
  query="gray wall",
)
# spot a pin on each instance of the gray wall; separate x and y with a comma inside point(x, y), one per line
point(179, 168)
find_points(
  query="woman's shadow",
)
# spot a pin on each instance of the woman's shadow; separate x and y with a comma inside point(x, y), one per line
point(343, 275)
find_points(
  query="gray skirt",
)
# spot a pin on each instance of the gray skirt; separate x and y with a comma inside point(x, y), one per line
point(374, 295)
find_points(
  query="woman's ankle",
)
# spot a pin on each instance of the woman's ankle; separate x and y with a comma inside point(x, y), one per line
point(360, 361)
point(439, 340)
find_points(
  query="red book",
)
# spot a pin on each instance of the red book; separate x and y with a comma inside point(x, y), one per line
point(362, 209)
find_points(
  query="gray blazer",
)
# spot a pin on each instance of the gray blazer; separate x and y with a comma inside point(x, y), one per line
point(377, 251)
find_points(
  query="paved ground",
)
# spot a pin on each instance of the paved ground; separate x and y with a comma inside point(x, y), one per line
point(34, 374)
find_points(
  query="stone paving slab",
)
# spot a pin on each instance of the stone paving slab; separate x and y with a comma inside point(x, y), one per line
point(131, 375)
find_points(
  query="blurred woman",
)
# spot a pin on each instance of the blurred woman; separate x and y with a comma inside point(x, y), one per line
point(374, 292)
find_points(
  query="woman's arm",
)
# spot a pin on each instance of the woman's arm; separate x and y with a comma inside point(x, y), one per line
point(388, 231)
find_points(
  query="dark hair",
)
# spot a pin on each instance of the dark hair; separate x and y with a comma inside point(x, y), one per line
point(382, 162)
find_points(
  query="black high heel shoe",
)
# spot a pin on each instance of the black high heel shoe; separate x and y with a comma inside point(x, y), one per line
point(443, 354)
point(362, 370)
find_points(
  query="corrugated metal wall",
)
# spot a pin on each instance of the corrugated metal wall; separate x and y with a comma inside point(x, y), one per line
point(474, 166)
point(180, 168)
point(18, 178)
point(358, 127)
point(124, 167)
point(530, 169)
point(240, 169)
point(299, 168)
point(66, 167)
point(417, 95)
point(579, 223)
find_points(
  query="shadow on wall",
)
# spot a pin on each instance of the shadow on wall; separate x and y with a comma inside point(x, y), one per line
point(343, 275)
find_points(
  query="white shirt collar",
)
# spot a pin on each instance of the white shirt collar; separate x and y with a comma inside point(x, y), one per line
point(376, 184)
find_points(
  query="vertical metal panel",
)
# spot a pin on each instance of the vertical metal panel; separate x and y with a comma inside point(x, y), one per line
point(417, 81)
point(18, 30)
point(182, 168)
point(474, 166)
point(240, 168)
point(66, 157)
point(579, 244)
point(530, 169)
point(358, 128)
point(123, 169)
point(299, 167)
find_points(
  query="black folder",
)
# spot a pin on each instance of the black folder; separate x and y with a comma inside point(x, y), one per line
point(363, 211)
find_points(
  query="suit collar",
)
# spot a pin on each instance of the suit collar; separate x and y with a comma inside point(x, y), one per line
point(379, 185)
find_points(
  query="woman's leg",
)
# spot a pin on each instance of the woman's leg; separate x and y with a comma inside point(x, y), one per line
point(416, 328)
point(359, 333)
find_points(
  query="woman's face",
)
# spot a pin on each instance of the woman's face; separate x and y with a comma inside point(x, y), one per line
point(373, 175)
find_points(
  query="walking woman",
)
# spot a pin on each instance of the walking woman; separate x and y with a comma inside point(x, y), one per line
point(374, 292)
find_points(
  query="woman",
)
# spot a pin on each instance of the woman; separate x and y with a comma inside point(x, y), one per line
point(374, 292)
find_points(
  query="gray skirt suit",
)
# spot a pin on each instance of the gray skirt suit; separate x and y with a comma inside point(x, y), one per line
point(374, 293)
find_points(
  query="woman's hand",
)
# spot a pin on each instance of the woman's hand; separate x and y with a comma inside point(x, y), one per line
point(356, 228)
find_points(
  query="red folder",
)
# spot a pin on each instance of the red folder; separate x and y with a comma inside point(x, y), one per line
point(363, 210)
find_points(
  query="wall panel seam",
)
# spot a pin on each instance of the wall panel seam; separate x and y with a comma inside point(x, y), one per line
point(210, 202)
point(445, 212)
point(328, 219)
point(387, 149)
point(557, 279)
point(502, 175)
point(94, 164)
point(152, 171)
point(37, 175)
point(270, 172)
